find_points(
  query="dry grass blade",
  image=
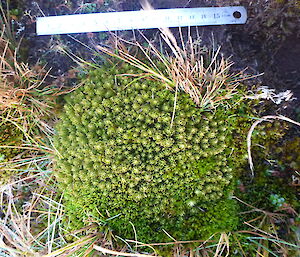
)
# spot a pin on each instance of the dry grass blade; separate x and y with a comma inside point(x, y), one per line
point(222, 245)
point(201, 73)
point(20, 87)
point(269, 220)
point(6, 25)
point(265, 118)
point(71, 248)
point(23, 91)
point(34, 227)
point(204, 75)
point(20, 231)
point(111, 252)
point(30, 207)
point(15, 233)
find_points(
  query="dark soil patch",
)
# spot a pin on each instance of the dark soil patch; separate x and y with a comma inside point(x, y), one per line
point(286, 65)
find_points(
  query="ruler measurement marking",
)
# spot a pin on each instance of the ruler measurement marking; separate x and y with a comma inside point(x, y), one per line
point(96, 22)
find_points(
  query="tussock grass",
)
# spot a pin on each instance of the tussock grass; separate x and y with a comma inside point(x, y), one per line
point(203, 74)
point(21, 89)
point(30, 208)
point(31, 225)
point(187, 66)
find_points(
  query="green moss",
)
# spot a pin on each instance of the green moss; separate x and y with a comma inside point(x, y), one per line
point(9, 136)
point(122, 164)
point(275, 161)
point(289, 157)
point(272, 190)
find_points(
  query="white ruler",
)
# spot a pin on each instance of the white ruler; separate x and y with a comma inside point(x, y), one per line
point(112, 21)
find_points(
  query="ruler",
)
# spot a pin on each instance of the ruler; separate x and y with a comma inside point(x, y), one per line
point(143, 19)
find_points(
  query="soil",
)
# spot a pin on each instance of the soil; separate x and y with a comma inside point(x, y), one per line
point(268, 43)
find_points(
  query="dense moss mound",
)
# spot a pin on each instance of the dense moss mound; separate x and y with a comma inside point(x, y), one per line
point(121, 164)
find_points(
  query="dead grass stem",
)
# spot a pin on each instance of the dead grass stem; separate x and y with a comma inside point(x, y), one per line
point(203, 74)
point(249, 136)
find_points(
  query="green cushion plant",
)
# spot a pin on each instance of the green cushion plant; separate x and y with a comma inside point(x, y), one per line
point(121, 163)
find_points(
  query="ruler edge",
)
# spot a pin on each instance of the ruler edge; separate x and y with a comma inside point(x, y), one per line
point(242, 9)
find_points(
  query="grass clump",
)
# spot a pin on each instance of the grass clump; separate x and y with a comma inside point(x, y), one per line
point(121, 164)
